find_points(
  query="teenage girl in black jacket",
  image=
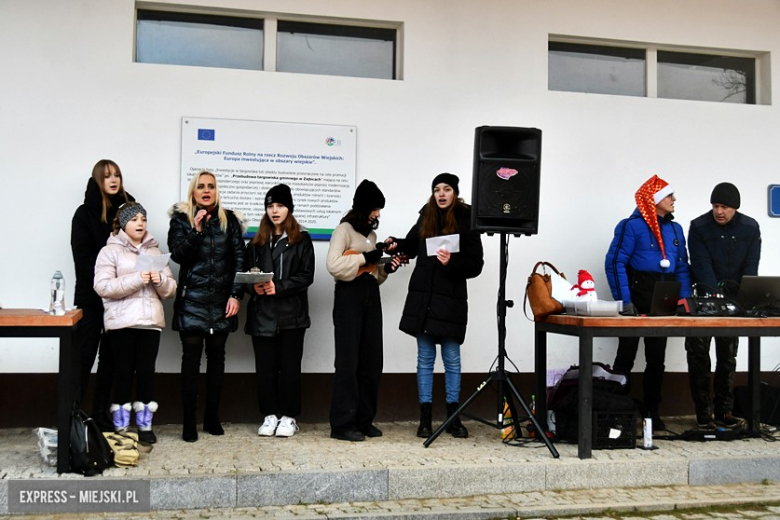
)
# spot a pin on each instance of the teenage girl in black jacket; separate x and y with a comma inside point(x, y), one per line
point(92, 224)
point(207, 242)
point(436, 308)
point(278, 311)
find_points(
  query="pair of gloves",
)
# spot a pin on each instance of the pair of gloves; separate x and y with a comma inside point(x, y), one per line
point(374, 256)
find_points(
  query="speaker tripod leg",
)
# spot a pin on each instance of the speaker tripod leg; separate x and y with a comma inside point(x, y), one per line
point(460, 410)
point(541, 432)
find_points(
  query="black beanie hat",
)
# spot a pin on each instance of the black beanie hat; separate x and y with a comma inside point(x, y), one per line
point(446, 178)
point(727, 194)
point(281, 195)
point(368, 197)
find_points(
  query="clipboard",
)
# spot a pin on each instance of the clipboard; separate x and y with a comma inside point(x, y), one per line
point(253, 277)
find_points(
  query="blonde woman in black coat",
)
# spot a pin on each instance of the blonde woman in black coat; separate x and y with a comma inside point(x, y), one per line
point(206, 240)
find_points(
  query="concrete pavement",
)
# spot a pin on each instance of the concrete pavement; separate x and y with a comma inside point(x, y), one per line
point(242, 475)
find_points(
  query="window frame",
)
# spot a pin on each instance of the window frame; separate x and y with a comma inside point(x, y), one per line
point(714, 60)
point(761, 91)
point(269, 24)
point(365, 32)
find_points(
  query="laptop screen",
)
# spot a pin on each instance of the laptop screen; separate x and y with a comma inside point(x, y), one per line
point(665, 298)
point(760, 294)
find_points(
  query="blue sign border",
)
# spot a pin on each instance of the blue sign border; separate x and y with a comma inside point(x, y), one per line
point(773, 200)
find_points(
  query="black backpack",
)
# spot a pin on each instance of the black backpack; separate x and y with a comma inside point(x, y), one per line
point(610, 394)
point(90, 452)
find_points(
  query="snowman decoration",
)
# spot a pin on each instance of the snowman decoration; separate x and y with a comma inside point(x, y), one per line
point(585, 288)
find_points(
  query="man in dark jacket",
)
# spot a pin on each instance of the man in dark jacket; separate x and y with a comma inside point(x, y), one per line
point(725, 245)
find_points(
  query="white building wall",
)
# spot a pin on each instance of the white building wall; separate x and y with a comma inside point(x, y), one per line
point(70, 94)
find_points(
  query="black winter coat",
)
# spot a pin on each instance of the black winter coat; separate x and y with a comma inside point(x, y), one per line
point(208, 264)
point(723, 253)
point(293, 268)
point(437, 302)
point(88, 235)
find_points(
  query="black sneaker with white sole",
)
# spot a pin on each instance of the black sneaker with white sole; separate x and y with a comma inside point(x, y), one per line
point(705, 422)
point(726, 420)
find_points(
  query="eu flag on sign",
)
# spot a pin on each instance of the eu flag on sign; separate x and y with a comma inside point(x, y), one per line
point(205, 134)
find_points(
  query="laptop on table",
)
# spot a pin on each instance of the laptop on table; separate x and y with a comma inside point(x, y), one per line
point(760, 295)
point(665, 298)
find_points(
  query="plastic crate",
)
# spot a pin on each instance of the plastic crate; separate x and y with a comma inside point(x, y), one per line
point(612, 431)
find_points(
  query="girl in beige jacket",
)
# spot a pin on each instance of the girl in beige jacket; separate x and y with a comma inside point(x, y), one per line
point(133, 314)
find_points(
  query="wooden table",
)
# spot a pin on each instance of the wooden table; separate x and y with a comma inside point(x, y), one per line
point(587, 328)
point(35, 323)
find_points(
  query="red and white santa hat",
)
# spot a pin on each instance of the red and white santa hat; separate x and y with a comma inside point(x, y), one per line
point(647, 198)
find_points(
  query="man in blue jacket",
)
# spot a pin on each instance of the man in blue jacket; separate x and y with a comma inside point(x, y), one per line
point(647, 247)
point(725, 245)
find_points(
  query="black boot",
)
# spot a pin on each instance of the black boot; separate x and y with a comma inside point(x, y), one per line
point(189, 398)
point(456, 429)
point(211, 422)
point(425, 429)
point(214, 379)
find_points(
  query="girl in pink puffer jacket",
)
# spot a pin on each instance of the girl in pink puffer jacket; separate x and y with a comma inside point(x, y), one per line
point(133, 314)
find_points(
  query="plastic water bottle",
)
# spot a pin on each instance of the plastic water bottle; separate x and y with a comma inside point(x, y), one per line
point(647, 433)
point(57, 303)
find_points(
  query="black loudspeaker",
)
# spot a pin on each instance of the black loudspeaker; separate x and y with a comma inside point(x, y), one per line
point(505, 184)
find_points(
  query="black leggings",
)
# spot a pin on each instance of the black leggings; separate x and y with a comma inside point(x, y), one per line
point(91, 336)
point(192, 350)
point(135, 352)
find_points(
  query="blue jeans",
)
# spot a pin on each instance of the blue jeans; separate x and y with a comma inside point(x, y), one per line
point(426, 358)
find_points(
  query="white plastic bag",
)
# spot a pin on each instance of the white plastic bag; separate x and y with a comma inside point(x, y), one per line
point(47, 445)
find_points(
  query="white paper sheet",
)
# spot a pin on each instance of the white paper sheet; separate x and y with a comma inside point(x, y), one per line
point(154, 263)
point(449, 243)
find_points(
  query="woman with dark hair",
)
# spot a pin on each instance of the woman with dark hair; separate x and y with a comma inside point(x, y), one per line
point(92, 224)
point(278, 311)
point(206, 240)
point(436, 308)
point(357, 316)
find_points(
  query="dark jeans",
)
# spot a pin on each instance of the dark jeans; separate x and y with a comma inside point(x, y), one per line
point(699, 373)
point(278, 370)
point(357, 320)
point(642, 285)
point(135, 353)
point(94, 342)
point(192, 350)
point(655, 354)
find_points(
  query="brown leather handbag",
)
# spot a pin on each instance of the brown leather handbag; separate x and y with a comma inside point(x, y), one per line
point(538, 292)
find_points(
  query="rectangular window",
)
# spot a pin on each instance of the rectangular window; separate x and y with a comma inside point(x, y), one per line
point(199, 39)
point(577, 64)
point(706, 77)
point(597, 69)
point(339, 50)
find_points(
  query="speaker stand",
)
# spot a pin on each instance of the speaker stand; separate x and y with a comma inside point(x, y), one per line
point(500, 375)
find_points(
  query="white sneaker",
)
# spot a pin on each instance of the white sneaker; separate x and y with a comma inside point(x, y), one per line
point(287, 427)
point(269, 426)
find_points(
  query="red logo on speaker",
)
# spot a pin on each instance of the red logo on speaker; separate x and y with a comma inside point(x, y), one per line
point(506, 173)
